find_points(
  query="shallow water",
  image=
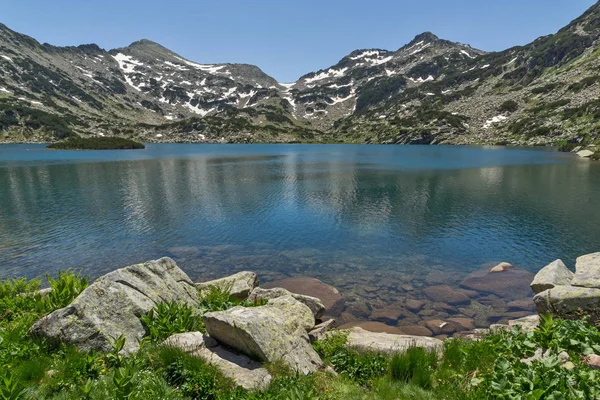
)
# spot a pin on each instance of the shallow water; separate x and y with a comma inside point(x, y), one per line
point(367, 219)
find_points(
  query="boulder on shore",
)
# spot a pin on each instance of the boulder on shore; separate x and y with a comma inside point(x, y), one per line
point(365, 341)
point(587, 271)
point(329, 296)
point(276, 331)
point(238, 285)
point(315, 305)
point(113, 304)
point(585, 153)
point(569, 302)
point(245, 372)
point(553, 274)
point(527, 324)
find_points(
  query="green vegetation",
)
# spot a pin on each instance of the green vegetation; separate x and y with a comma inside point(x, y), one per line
point(584, 83)
point(545, 89)
point(509, 106)
point(565, 145)
point(488, 369)
point(18, 114)
point(96, 143)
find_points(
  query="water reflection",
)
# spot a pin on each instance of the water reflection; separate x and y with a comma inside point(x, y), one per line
point(345, 215)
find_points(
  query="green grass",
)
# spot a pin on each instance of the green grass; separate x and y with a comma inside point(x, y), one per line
point(30, 368)
point(97, 143)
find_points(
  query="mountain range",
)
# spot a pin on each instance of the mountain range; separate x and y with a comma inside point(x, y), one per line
point(429, 91)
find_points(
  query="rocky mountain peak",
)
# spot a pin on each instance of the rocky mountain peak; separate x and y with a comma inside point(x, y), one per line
point(425, 36)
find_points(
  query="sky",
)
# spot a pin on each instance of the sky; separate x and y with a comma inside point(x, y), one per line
point(286, 38)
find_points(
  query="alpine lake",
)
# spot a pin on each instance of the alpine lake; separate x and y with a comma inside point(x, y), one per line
point(393, 228)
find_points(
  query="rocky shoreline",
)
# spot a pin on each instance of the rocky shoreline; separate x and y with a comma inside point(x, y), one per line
point(289, 315)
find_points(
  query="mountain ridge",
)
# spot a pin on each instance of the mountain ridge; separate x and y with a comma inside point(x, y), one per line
point(430, 90)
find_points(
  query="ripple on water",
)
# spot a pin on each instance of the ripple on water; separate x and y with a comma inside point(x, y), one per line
point(381, 223)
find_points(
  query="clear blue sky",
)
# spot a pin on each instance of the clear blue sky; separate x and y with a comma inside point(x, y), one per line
point(286, 38)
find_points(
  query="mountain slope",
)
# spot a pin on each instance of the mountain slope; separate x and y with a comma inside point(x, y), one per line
point(535, 94)
point(428, 91)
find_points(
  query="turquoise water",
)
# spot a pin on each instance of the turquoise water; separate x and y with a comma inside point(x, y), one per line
point(347, 214)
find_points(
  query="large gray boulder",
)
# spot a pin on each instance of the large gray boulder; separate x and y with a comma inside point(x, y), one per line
point(238, 285)
point(365, 341)
point(527, 324)
point(587, 271)
point(569, 302)
point(113, 304)
point(245, 372)
point(276, 331)
point(315, 305)
point(553, 274)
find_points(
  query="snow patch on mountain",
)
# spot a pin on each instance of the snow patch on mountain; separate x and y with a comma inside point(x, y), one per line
point(421, 80)
point(337, 100)
point(127, 65)
point(495, 120)
point(366, 54)
point(330, 73)
point(467, 54)
point(176, 66)
point(211, 69)
point(420, 49)
point(6, 57)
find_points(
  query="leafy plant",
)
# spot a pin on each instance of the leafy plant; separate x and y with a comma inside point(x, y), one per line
point(194, 379)
point(115, 358)
point(65, 288)
point(10, 389)
point(167, 319)
point(123, 381)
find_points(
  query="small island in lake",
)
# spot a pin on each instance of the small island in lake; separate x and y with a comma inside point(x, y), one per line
point(97, 143)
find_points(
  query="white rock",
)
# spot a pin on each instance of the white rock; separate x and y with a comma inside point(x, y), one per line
point(553, 274)
point(273, 332)
point(585, 153)
point(247, 373)
point(365, 341)
point(239, 285)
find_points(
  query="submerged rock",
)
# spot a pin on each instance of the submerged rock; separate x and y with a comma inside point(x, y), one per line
point(330, 296)
point(553, 274)
point(365, 341)
point(276, 331)
point(415, 330)
point(446, 294)
point(511, 284)
point(239, 285)
point(502, 267)
point(372, 326)
point(113, 304)
point(245, 372)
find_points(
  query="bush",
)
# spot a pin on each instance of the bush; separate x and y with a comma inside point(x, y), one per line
point(509, 106)
point(544, 89)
